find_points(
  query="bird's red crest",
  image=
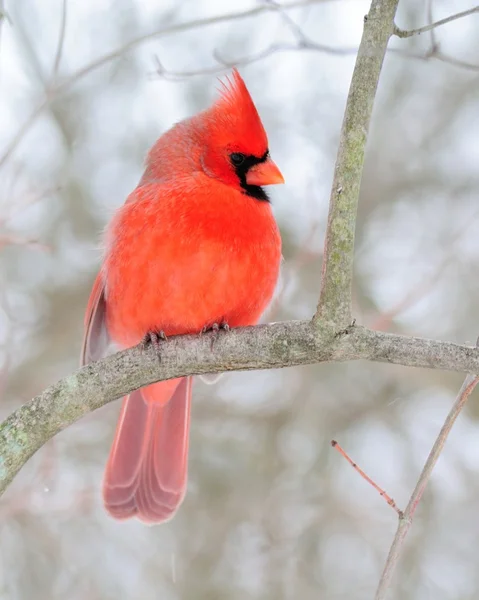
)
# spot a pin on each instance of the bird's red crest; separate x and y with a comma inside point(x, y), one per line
point(237, 119)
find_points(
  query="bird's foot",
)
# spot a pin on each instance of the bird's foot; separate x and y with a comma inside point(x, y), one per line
point(154, 338)
point(215, 327)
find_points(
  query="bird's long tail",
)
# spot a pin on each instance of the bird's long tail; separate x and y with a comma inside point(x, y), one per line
point(146, 473)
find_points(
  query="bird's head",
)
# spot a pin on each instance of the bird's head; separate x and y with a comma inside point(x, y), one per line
point(226, 142)
point(236, 146)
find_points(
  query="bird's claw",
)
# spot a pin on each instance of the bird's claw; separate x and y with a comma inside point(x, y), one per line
point(154, 338)
point(215, 327)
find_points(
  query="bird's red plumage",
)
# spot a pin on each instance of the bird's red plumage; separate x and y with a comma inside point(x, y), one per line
point(188, 249)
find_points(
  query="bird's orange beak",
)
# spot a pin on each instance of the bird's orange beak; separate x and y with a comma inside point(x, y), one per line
point(265, 173)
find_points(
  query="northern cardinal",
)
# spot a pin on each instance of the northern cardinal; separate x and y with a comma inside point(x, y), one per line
point(194, 247)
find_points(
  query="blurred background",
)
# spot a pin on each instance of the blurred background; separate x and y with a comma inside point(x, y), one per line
point(272, 511)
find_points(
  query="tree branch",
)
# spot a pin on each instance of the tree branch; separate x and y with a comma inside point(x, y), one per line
point(57, 87)
point(335, 300)
point(329, 337)
point(61, 40)
point(405, 521)
point(224, 64)
point(262, 347)
point(389, 500)
point(3, 16)
point(405, 34)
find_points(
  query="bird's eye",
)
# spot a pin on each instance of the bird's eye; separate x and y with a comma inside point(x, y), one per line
point(237, 158)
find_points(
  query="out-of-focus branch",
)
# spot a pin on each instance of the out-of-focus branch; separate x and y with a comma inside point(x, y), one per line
point(3, 16)
point(420, 289)
point(262, 347)
point(9, 239)
point(430, 20)
point(409, 33)
point(56, 87)
point(224, 64)
point(61, 40)
point(434, 51)
point(180, 28)
point(22, 131)
point(451, 60)
point(406, 518)
point(335, 299)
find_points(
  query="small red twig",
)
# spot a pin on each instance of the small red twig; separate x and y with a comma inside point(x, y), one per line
point(382, 492)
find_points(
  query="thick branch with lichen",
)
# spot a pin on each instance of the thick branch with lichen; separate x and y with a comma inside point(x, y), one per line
point(262, 347)
point(334, 306)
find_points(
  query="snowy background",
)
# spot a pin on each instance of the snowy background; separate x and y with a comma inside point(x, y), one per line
point(272, 512)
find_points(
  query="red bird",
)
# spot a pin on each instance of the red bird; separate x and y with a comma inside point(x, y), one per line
point(194, 247)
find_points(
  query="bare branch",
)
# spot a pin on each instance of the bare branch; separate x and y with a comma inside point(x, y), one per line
point(3, 16)
point(405, 520)
point(335, 299)
point(180, 28)
point(435, 52)
point(262, 347)
point(55, 88)
point(301, 43)
point(10, 239)
point(430, 20)
point(22, 131)
point(420, 289)
point(292, 25)
point(405, 34)
point(455, 62)
point(224, 64)
point(366, 477)
point(61, 40)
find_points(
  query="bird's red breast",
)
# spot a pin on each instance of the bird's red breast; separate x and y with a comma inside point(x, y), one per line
point(185, 255)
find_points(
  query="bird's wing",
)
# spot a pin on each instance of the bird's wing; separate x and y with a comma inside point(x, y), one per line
point(96, 338)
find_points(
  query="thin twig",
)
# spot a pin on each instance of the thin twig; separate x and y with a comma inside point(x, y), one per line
point(436, 55)
point(420, 289)
point(405, 521)
point(22, 131)
point(371, 482)
point(10, 239)
point(292, 25)
point(409, 33)
point(3, 16)
point(430, 21)
point(61, 40)
point(225, 64)
point(435, 50)
point(53, 90)
point(455, 62)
